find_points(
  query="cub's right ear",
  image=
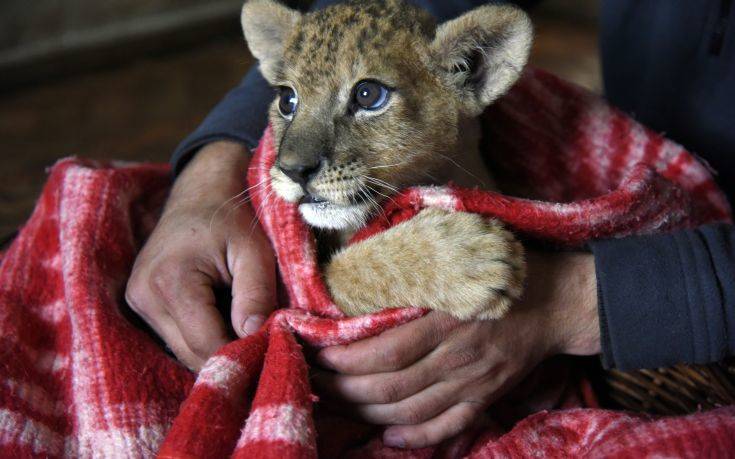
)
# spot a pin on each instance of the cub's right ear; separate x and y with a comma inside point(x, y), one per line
point(482, 53)
point(266, 24)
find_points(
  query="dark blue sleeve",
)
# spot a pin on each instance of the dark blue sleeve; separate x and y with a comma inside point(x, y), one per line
point(667, 298)
point(241, 116)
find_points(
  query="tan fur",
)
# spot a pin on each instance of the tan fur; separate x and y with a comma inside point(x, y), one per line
point(442, 77)
point(455, 262)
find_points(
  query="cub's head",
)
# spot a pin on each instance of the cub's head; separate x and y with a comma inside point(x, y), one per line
point(371, 93)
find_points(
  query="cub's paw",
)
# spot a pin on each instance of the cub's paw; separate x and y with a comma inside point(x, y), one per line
point(456, 262)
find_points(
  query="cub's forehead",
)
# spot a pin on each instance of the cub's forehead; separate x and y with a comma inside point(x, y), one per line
point(336, 39)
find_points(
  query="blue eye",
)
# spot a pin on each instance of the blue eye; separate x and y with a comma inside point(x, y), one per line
point(371, 95)
point(287, 102)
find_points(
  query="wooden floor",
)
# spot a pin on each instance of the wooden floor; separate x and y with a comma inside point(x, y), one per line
point(141, 110)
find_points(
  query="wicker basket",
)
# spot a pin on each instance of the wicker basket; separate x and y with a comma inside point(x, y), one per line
point(681, 389)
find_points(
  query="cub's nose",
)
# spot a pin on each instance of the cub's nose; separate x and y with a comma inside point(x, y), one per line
point(300, 173)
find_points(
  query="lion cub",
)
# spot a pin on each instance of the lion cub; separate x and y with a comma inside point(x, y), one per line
point(373, 97)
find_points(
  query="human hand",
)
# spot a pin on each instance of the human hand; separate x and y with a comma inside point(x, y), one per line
point(431, 378)
point(197, 245)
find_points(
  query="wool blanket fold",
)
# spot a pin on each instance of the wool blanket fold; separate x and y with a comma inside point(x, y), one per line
point(79, 377)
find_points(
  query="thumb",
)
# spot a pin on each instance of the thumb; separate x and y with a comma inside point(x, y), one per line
point(253, 284)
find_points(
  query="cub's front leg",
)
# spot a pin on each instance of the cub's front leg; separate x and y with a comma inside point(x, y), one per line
point(454, 262)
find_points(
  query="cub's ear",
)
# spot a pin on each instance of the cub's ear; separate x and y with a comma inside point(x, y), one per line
point(483, 52)
point(266, 24)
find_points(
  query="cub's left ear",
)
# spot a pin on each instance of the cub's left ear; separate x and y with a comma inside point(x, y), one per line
point(483, 52)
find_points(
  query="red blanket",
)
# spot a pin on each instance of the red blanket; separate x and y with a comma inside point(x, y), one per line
point(78, 378)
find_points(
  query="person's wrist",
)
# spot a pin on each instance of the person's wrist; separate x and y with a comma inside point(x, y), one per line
point(576, 316)
point(214, 174)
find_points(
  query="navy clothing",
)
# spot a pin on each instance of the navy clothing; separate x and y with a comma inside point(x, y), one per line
point(671, 298)
point(672, 66)
point(665, 298)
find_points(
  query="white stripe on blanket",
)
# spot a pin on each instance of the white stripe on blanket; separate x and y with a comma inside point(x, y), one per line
point(285, 423)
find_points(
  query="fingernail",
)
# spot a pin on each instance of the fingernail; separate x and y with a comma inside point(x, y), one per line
point(252, 324)
point(393, 440)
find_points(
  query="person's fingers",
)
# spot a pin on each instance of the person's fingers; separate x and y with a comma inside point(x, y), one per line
point(146, 305)
point(377, 388)
point(415, 409)
point(446, 425)
point(189, 299)
point(253, 283)
point(167, 329)
point(392, 350)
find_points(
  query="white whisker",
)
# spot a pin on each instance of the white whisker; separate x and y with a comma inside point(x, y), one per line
point(381, 183)
point(436, 180)
point(378, 192)
point(385, 166)
point(214, 214)
point(259, 212)
point(462, 168)
point(363, 192)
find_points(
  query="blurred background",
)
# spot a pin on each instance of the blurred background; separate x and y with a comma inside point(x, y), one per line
point(128, 79)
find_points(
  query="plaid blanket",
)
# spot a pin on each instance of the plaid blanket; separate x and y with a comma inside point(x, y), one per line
point(80, 378)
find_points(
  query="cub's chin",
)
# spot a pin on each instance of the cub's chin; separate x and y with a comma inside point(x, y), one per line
point(326, 215)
